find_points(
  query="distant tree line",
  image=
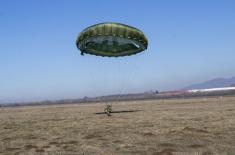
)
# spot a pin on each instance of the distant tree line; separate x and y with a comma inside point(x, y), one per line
point(128, 97)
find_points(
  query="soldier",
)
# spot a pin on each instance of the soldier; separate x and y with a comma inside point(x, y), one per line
point(108, 109)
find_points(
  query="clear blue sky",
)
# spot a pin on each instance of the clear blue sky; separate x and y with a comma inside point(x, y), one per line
point(189, 42)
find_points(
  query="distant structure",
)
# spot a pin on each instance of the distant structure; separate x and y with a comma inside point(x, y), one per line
point(232, 85)
point(211, 89)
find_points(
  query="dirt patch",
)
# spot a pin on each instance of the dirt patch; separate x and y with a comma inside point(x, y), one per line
point(46, 146)
point(70, 142)
point(196, 146)
point(54, 143)
point(167, 151)
point(29, 147)
point(92, 136)
point(167, 144)
point(207, 153)
point(148, 134)
point(12, 148)
point(39, 150)
point(191, 129)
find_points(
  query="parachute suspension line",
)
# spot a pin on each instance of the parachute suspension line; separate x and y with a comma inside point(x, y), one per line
point(112, 40)
point(108, 104)
point(120, 86)
point(118, 83)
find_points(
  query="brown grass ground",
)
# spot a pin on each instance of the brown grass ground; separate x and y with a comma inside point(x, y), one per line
point(202, 126)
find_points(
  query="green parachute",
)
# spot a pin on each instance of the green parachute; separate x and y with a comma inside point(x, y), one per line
point(111, 40)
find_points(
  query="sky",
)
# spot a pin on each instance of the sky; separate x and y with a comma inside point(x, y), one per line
point(189, 42)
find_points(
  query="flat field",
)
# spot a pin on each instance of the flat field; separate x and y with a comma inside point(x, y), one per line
point(202, 126)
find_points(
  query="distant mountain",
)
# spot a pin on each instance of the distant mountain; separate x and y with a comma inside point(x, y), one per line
point(215, 83)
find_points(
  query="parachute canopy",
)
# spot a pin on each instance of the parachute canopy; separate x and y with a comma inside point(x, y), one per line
point(111, 40)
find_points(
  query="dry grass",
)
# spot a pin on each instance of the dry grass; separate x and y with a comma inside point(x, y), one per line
point(186, 126)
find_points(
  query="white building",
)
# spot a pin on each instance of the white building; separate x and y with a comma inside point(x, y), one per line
point(211, 89)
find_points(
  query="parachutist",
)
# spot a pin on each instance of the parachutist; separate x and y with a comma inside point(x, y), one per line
point(111, 40)
point(108, 109)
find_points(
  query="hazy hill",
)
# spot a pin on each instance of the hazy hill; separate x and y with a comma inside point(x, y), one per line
point(215, 83)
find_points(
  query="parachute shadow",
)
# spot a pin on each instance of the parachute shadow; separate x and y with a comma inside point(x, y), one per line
point(123, 111)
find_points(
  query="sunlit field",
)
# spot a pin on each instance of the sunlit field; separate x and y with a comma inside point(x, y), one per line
point(202, 126)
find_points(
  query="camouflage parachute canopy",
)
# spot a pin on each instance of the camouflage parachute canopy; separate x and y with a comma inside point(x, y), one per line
point(111, 40)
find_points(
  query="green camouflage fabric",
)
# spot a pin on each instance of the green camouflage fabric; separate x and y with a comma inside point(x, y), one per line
point(111, 40)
